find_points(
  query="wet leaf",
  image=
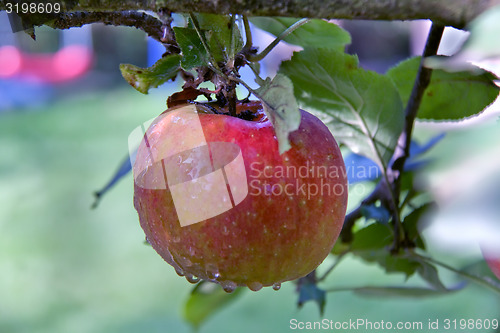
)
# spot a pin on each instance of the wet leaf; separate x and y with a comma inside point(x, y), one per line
point(449, 96)
point(412, 223)
point(316, 33)
point(224, 39)
point(362, 108)
point(143, 79)
point(309, 291)
point(281, 108)
point(193, 52)
point(372, 237)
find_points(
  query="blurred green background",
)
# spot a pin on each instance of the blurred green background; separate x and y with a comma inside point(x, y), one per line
point(67, 268)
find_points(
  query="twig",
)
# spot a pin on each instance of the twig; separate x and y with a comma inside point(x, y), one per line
point(475, 278)
point(283, 35)
point(332, 267)
point(248, 34)
point(402, 151)
point(421, 82)
point(140, 20)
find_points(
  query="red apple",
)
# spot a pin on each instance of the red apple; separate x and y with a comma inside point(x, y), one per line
point(492, 258)
point(494, 264)
point(218, 202)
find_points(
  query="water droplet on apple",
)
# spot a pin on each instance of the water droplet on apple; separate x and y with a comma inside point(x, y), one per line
point(225, 231)
point(255, 286)
point(228, 286)
point(277, 286)
point(179, 271)
point(212, 271)
point(192, 279)
point(176, 239)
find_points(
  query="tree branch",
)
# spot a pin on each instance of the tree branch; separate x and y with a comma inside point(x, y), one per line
point(149, 24)
point(402, 151)
point(455, 13)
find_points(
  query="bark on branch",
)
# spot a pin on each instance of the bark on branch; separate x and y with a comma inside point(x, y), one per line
point(455, 13)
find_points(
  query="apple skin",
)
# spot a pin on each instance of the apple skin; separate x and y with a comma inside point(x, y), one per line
point(493, 260)
point(494, 264)
point(268, 238)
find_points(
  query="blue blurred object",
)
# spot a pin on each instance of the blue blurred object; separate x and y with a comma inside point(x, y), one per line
point(122, 171)
point(155, 51)
point(378, 213)
point(360, 168)
point(15, 93)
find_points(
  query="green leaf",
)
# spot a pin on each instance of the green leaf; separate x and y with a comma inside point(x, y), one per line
point(205, 300)
point(449, 96)
point(362, 108)
point(412, 226)
point(391, 263)
point(142, 79)
point(224, 39)
point(401, 291)
point(193, 52)
point(430, 274)
point(281, 108)
point(373, 237)
point(309, 291)
point(313, 34)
